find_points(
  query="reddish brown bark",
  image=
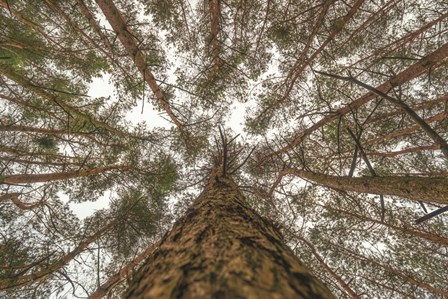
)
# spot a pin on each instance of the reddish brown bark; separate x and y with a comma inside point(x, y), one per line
point(94, 24)
point(426, 104)
point(422, 124)
point(294, 73)
point(369, 21)
point(215, 14)
point(404, 229)
point(21, 153)
point(4, 4)
point(437, 117)
point(302, 63)
point(335, 30)
point(405, 151)
point(130, 43)
point(107, 49)
point(46, 177)
point(14, 197)
point(20, 128)
point(399, 43)
point(426, 189)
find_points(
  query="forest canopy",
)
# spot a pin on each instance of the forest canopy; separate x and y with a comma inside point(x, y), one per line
point(336, 112)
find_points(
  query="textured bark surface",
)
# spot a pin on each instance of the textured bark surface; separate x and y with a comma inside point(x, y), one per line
point(426, 189)
point(223, 249)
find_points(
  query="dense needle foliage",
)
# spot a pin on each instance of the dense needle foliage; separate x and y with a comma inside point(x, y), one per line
point(323, 85)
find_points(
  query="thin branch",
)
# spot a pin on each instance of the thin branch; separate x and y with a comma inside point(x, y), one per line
point(431, 215)
point(411, 113)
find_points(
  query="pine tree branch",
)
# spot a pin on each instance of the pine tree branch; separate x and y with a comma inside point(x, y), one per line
point(431, 215)
point(411, 113)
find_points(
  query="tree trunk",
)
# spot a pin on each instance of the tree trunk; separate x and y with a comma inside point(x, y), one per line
point(131, 44)
point(431, 189)
point(215, 14)
point(57, 176)
point(222, 248)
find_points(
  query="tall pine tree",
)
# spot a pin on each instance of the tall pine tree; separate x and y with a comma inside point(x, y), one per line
point(333, 180)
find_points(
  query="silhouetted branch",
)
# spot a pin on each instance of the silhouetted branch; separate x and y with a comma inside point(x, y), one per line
point(431, 215)
point(369, 166)
point(411, 113)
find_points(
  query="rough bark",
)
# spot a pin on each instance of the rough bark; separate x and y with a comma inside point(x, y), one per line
point(426, 189)
point(215, 14)
point(222, 248)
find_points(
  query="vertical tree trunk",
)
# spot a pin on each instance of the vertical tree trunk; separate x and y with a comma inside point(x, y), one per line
point(222, 248)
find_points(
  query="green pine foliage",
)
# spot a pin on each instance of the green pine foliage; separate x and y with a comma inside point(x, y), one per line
point(87, 163)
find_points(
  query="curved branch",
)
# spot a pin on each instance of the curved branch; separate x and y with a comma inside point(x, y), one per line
point(14, 197)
